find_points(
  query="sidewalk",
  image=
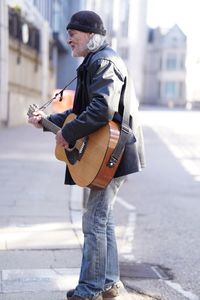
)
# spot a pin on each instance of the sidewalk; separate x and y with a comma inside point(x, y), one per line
point(40, 219)
point(39, 246)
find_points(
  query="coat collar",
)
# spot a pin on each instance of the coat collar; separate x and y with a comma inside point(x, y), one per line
point(88, 57)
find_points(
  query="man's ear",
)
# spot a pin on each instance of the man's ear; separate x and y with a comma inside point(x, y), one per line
point(91, 35)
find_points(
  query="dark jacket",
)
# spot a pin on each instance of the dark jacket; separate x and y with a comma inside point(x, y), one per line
point(98, 99)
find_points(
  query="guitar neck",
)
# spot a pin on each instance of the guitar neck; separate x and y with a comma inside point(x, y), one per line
point(49, 125)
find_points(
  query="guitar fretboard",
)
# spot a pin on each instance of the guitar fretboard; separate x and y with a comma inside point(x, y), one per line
point(49, 125)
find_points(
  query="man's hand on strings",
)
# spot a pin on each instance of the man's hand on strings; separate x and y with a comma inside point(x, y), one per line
point(36, 118)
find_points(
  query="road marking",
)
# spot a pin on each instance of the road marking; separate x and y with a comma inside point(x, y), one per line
point(126, 250)
point(125, 204)
point(187, 154)
point(177, 287)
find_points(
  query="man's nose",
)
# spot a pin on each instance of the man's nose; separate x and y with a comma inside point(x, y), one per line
point(69, 41)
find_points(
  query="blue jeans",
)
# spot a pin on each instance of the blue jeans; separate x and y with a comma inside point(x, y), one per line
point(100, 267)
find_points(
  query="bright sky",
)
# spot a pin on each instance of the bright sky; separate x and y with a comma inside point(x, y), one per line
point(166, 13)
point(184, 13)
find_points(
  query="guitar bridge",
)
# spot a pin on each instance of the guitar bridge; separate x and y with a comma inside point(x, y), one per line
point(75, 154)
point(82, 148)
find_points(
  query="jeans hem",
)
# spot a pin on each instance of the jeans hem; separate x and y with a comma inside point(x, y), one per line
point(87, 297)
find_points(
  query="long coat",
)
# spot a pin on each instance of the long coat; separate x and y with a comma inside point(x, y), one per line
point(98, 99)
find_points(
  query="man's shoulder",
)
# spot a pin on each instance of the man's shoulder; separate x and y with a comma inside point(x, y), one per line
point(105, 53)
point(110, 55)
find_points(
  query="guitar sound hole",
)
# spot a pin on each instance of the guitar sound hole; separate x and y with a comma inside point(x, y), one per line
point(72, 156)
point(71, 146)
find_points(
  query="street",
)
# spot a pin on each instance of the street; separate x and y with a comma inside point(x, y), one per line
point(157, 215)
point(166, 201)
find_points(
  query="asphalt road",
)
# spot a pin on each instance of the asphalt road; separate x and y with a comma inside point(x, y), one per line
point(165, 207)
point(157, 214)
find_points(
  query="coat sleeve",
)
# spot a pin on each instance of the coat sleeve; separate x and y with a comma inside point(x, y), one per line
point(104, 90)
point(59, 118)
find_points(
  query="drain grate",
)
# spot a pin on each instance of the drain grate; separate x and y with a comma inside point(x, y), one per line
point(144, 271)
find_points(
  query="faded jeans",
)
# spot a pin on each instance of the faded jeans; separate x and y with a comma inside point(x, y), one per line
point(100, 267)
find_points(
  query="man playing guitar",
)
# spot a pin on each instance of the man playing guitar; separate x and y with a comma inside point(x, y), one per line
point(103, 84)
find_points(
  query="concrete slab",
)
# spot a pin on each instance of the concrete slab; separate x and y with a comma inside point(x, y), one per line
point(41, 295)
point(76, 194)
point(15, 259)
point(34, 280)
point(39, 236)
point(29, 280)
point(37, 259)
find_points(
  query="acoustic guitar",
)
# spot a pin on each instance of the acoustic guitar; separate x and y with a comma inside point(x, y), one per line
point(88, 159)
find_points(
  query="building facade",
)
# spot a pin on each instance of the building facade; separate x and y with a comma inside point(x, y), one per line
point(34, 56)
point(30, 76)
point(165, 68)
point(125, 22)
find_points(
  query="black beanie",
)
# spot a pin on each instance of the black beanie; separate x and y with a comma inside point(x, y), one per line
point(87, 21)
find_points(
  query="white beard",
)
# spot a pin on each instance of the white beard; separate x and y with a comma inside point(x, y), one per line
point(80, 51)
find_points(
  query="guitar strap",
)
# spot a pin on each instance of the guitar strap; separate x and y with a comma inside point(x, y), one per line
point(125, 128)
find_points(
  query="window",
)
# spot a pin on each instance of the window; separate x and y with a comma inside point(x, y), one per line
point(171, 62)
point(23, 31)
point(170, 89)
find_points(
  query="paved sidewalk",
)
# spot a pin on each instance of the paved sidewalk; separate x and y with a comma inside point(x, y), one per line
point(40, 252)
point(40, 230)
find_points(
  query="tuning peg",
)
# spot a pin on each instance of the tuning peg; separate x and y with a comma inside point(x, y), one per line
point(31, 110)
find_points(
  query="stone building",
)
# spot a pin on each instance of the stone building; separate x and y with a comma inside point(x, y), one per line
point(33, 53)
point(25, 61)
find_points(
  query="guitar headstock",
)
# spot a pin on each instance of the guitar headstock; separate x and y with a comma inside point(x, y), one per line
point(32, 110)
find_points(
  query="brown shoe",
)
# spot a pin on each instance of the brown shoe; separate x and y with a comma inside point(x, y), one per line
point(111, 292)
point(75, 297)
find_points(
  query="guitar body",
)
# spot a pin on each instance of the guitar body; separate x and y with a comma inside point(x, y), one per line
point(87, 160)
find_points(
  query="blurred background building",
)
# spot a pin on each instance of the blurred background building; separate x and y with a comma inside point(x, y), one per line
point(127, 30)
point(33, 47)
point(165, 71)
point(35, 59)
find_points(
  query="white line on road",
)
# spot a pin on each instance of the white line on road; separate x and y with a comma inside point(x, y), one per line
point(127, 249)
point(125, 204)
point(177, 287)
